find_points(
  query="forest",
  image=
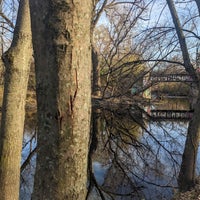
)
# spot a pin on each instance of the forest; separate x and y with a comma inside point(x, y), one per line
point(99, 99)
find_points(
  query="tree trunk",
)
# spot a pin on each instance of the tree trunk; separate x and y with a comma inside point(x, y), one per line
point(186, 59)
point(62, 46)
point(17, 61)
point(186, 178)
point(96, 81)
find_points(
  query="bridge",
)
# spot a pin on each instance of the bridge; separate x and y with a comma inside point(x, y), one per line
point(150, 80)
point(171, 78)
point(171, 114)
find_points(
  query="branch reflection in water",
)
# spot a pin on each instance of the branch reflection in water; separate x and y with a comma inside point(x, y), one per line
point(131, 157)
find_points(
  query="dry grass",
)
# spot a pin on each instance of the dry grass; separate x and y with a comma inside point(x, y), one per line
point(193, 194)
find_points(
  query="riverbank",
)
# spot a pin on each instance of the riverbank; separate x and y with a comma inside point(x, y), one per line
point(194, 194)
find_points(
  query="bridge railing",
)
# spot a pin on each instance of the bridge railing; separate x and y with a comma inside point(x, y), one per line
point(171, 78)
point(171, 114)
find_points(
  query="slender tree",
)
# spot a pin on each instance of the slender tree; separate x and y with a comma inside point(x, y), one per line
point(62, 47)
point(17, 61)
point(186, 178)
point(96, 82)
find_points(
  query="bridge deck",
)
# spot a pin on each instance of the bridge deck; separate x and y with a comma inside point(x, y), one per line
point(171, 114)
point(171, 78)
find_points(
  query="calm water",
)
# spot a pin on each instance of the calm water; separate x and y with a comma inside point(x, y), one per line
point(134, 159)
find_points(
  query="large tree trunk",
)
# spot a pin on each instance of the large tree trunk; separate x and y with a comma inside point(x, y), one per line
point(62, 46)
point(17, 62)
point(186, 178)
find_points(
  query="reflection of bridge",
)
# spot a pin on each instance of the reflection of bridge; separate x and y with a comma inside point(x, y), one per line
point(171, 114)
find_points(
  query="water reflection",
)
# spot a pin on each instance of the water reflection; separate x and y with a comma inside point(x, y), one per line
point(100, 171)
point(132, 157)
point(28, 164)
point(144, 156)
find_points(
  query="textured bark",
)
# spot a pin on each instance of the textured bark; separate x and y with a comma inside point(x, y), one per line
point(62, 46)
point(186, 178)
point(17, 61)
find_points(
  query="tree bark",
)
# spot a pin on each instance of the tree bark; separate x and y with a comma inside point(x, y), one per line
point(17, 62)
point(62, 46)
point(186, 179)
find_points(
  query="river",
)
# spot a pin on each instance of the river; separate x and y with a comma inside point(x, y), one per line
point(135, 158)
